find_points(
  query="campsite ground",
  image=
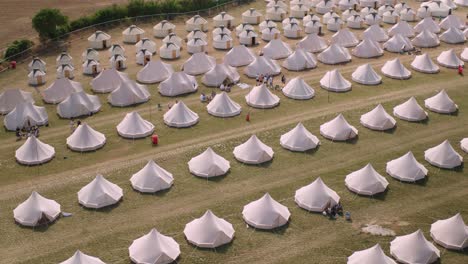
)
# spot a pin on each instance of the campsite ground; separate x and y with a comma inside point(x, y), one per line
point(308, 238)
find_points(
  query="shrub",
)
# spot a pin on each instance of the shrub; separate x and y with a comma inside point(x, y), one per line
point(17, 47)
point(49, 23)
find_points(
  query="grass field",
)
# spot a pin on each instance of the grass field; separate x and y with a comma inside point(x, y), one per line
point(308, 238)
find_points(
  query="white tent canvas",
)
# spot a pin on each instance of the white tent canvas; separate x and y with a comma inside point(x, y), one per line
point(223, 106)
point(335, 54)
point(24, 115)
point(316, 197)
point(208, 164)
point(366, 75)
point(99, 193)
point(299, 139)
point(261, 97)
point(441, 103)
point(277, 49)
point(403, 28)
point(37, 64)
point(253, 151)
point(397, 44)
point(451, 233)
point(91, 67)
point(219, 74)
point(300, 60)
point(78, 104)
point(65, 71)
point(196, 45)
point(174, 39)
point(36, 210)
point(129, 93)
point(464, 54)
point(60, 90)
point(449, 59)
point(414, 248)
point(335, 82)
point(376, 33)
point(374, 254)
point(154, 248)
point(338, 129)
point(223, 19)
point(464, 144)
point(154, 72)
point(410, 111)
point(152, 178)
point(366, 181)
point(99, 40)
point(132, 34)
point(108, 80)
point(178, 83)
point(239, 56)
point(85, 138)
point(423, 63)
point(143, 56)
point(34, 152)
point(146, 44)
point(427, 23)
point(452, 21)
point(199, 63)
point(406, 168)
point(163, 28)
point(196, 22)
point(265, 213)
point(262, 66)
point(81, 258)
point(10, 98)
point(394, 69)
point(169, 51)
point(426, 39)
point(453, 36)
point(180, 116)
point(345, 38)
point(134, 126)
point(312, 43)
point(443, 156)
point(36, 77)
point(367, 49)
point(209, 231)
point(298, 89)
point(378, 119)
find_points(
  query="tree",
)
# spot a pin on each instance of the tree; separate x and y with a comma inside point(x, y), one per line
point(49, 23)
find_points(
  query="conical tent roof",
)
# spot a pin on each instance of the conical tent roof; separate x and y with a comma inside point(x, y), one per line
point(208, 164)
point(265, 213)
point(426, 39)
point(84, 138)
point(333, 81)
point(453, 36)
point(338, 129)
point(452, 21)
point(239, 56)
point(298, 89)
point(209, 231)
point(299, 139)
point(366, 75)
point(262, 66)
point(410, 111)
point(25, 114)
point(277, 49)
point(78, 104)
point(146, 44)
point(261, 97)
point(366, 181)
point(154, 248)
point(253, 151)
point(374, 254)
point(441, 103)
point(464, 54)
point(378, 119)
point(344, 38)
point(154, 72)
point(152, 178)
point(180, 116)
point(402, 28)
point(312, 43)
point(423, 63)
point(368, 49)
point(464, 144)
point(99, 193)
point(398, 43)
point(59, 90)
point(443, 156)
point(221, 72)
point(316, 197)
point(134, 126)
point(12, 97)
point(394, 69)
point(129, 93)
point(199, 63)
point(81, 258)
point(108, 80)
point(177, 84)
point(427, 23)
point(223, 106)
point(376, 33)
point(300, 60)
point(36, 210)
point(406, 168)
point(451, 233)
point(334, 54)
point(414, 248)
point(449, 59)
point(34, 152)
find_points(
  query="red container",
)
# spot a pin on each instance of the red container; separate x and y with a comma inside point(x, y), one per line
point(13, 64)
point(154, 139)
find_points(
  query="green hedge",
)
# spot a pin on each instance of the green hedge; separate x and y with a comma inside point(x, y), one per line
point(17, 47)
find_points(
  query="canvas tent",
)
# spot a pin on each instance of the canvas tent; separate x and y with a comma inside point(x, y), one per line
point(91, 67)
point(265, 213)
point(219, 74)
point(65, 71)
point(81, 258)
point(154, 72)
point(143, 56)
point(394, 69)
point(449, 59)
point(108, 80)
point(452, 21)
point(128, 93)
point(199, 63)
point(464, 55)
point(378, 119)
point(196, 22)
point(261, 97)
point(453, 36)
point(316, 197)
point(338, 129)
point(116, 49)
point(464, 144)
point(293, 31)
point(300, 60)
point(299, 139)
point(36, 210)
point(410, 111)
point(298, 89)
point(270, 33)
point(169, 51)
point(441, 103)
point(313, 27)
point(180, 116)
point(344, 38)
point(37, 64)
point(414, 248)
point(223, 106)
point(374, 254)
point(366, 75)
point(172, 38)
point(209, 231)
point(34, 152)
point(64, 59)
point(224, 19)
point(208, 164)
point(222, 41)
point(24, 115)
point(60, 90)
point(239, 56)
point(36, 77)
point(423, 63)
point(262, 66)
point(451, 233)
point(178, 83)
point(366, 181)
point(367, 49)
point(333, 81)
point(154, 248)
point(277, 49)
point(267, 23)
point(10, 98)
point(252, 16)
point(402, 28)
point(132, 34)
point(163, 28)
point(90, 54)
point(196, 45)
point(118, 62)
point(85, 138)
point(427, 23)
point(426, 39)
point(443, 156)
point(397, 44)
point(334, 54)
point(253, 151)
point(134, 126)
point(248, 37)
point(376, 33)
point(99, 193)
point(78, 104)
point(152, 178)
point(312, 43)
point(406, 168)
point(99, 40)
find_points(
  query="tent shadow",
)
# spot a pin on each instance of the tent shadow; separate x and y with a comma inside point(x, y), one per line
point(41, 228)
point(379, 196)
point(458, 169)
point(215, 178)
point(312, 151)
point(106, 209)
point(278, 230)
point(223, 249)
point(160, 193)
point(318, 214)
point(424, 122)
point(421, 182)
point(353, 140)
point(459, 252)
point(265, 164)
point(391, 130)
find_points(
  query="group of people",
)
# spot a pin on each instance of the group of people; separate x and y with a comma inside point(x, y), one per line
point(207, 98)
point(269, 81)
point(226, 86)
point(72, 125)
point(26, 132)
point(333, 211)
